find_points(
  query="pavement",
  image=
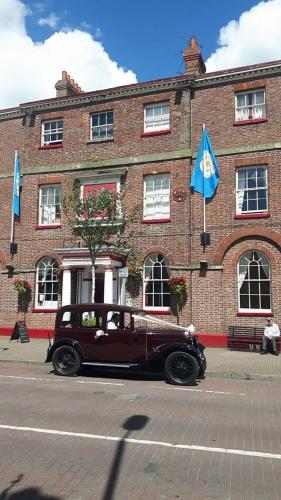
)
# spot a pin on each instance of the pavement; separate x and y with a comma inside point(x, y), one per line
point(220, 362)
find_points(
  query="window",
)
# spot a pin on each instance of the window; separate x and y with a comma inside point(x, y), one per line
point(49, 204)
point(252, 192)
point(156, 275)
point(254, 287)
point(90, 319)
point(102, 126)
point(157, 117)
point(250, 105)
point(47, 283)
point(156, 196)
point(52, 132)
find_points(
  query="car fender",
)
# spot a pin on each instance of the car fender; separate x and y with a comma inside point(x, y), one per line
point(164, 350)
point(61, 342)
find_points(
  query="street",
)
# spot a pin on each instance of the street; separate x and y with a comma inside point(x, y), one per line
point(109, 437)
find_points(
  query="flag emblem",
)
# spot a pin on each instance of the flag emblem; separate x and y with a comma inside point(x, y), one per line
point(206, 164)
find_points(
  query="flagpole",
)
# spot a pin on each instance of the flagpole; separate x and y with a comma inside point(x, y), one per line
point(204, 199)
point(13, 215)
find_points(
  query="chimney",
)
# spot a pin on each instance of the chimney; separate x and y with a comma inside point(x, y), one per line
point(67, 86)
point(194, 63)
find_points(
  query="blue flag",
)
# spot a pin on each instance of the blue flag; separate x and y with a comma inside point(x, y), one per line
point(205, 177)
point(17, 186)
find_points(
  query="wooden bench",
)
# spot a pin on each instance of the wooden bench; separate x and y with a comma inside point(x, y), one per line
point(246, 338)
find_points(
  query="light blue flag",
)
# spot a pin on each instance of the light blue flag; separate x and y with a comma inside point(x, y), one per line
point(205, 177)
point(17, 186)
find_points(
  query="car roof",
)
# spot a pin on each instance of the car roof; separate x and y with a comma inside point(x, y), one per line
point(98, 307)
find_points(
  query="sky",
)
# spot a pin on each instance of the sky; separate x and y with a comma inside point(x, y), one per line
point(107, 43)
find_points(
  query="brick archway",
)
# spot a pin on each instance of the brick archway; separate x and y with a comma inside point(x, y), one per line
point(235, 236)
point(46, 254)
point(157, 249)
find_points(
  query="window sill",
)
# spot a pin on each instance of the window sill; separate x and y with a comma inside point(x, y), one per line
point(155, 132)
point(158, 311)
point(42, 310)
point(98, 141)
point(251, 314)
point(249, 122)
point(257, 215)
point(48, 226)
point(155, 221)
point(51, 146)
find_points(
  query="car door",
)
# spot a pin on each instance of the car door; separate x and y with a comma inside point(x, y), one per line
point(122, 344)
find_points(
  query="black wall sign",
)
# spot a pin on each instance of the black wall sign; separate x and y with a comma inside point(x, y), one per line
point(20, 332)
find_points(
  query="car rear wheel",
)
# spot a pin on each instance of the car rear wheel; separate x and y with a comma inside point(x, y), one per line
point(181, 368)
point(66, 361)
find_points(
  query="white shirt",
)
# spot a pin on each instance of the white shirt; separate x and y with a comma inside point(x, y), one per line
point(111, 325)
point(272, 331)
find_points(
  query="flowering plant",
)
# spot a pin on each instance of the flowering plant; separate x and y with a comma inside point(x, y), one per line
point(135, 274)
point(21, 286)
point(178, 285)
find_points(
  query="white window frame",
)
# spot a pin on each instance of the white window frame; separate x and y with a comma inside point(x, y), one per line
point(243, 270)
point(153, 259)
point(40, 302)
point(249, 112)
point(52, 207)
point(107, 126)
point(156, 122)
point(250, 192)
point(156, 197)
point(56, 131)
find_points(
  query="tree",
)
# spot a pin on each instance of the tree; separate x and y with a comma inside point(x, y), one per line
point(100, 220)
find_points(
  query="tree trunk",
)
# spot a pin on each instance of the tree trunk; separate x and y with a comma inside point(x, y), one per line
point(93, 283)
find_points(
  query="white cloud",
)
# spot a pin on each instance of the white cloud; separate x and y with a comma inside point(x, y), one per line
point(31, 69)
point(51, 21)
point(254, 38)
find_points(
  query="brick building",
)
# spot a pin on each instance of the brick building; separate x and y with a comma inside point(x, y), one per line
point(146, 136)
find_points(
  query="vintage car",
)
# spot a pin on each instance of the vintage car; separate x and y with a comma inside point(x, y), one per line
point(108, 335)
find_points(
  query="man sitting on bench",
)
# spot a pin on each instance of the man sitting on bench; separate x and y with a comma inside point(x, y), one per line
point(271, 332)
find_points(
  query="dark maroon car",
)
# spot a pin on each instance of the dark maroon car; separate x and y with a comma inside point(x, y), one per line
point(119, 336)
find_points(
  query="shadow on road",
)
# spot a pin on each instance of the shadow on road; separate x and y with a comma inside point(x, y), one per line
point(24, 494)
point(134, 423)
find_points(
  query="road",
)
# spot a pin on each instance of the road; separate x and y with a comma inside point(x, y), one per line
point(105, 437)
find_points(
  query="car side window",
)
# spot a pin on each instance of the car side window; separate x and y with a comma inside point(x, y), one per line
point(90, 319)
point(68, 319)
point(114, 320)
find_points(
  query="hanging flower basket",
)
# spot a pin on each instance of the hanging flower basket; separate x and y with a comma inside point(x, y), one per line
point(21, 286)
point(178, 285)
point(135, 275)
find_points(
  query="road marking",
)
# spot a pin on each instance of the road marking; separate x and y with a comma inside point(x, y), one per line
point(92, 382)
point(32, 378)
point(60, 380)
point(228, 451)
point(198, 390)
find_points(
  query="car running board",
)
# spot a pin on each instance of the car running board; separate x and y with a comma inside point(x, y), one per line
point(111, 365)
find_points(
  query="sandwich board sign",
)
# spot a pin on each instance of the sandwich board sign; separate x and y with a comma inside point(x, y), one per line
point(20, 332)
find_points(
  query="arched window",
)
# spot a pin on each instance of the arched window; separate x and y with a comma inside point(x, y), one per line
point(254, 282)
point(47, 283)
point(156, 273)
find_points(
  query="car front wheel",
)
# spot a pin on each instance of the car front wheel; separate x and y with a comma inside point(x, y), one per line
point(66, 361)
point(181, 368)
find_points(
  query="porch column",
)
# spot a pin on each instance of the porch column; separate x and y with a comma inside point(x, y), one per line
point(108, 285)
point(66, 287)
